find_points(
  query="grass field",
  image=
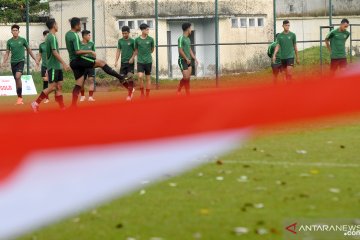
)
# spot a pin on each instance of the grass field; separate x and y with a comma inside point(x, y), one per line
point(303, 171)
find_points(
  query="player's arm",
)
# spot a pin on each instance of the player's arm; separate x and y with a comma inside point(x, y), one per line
point(327, 41)
point(6, 56)
point(118, 52)
point(58, 57)
point(296, 53)
point(277, 48)
point(193, 56)
point(152, 46)
point(28, 49)
point(78, 51)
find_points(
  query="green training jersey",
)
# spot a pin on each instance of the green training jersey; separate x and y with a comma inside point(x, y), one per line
point(144, 47)
point(271, 51)
point(73, 44)
point(90, 46)
point(337, 43)
point(185, 44)
point(17, 49)
point(286, 42)
point(42, 51)
point(51, 45)
point(127, 47)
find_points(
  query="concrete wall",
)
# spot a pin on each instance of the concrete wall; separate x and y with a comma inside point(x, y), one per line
point(317, 7)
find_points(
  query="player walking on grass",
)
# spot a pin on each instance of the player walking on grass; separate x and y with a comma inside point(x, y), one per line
point(286, 41)
point(55, 66)
point(79, 62)
point(185, 56)
point(89, 74)
point(335, 43)
point(277, 66)
point(144, 47)
point(126, 47)
point(42, 57)
point(16, 46)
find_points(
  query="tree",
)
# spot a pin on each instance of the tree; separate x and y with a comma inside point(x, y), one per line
point(14, 11)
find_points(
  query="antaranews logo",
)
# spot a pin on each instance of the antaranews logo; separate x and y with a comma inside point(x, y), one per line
point(323, 229)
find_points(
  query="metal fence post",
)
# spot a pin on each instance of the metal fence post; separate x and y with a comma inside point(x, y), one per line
point(330, 12)
point(274, 6)
point(217, 42)
point(27, 35)
point(157, 43)
point(93, 31)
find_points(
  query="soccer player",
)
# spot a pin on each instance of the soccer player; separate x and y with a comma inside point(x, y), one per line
point(276, 67)
point(185, 56)
point(16, 46)
point(89, 74)
point(55, 68)
point(79, 62)
point(286, 41)
point(42, 57)
point(335, 43)
point(126, 47)
point(144, 47)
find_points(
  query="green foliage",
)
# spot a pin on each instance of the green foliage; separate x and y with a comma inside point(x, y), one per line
point(12, 11)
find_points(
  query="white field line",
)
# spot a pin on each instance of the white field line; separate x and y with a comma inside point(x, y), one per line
point(307, 164)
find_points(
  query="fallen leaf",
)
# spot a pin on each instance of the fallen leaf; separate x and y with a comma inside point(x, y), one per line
point(261, 231)
point(259, 205)
point(243, 179)
point(334, 190)
point(219, 162)
point(241, 230)
point(220, 178)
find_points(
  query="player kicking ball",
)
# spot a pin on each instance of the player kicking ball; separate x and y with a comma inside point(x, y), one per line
point(185, 56)
point(277, 66)
point(126, 47)
point(42, 57)
point(55, 66)
point(335, 43)
point(16, 46)
point(79, 62)
point(286, 41)
point(89, 74)
point(144, 47)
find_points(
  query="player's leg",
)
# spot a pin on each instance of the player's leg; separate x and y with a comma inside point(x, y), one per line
point(130, 75)
point(148, 68)
point(183, 71)
point(45, 93)
point(187, 80)
point(289, 69)
point(333, 67)
point(19, 87)
point(91, 80)
point(45, 80)
point(82, 92)
point(59, 84)
point(107, 69)
point(78, 68)
point(275, 71)
point(342, 64)
point(141, 71)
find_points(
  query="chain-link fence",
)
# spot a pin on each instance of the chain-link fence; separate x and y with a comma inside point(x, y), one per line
point(229, 36)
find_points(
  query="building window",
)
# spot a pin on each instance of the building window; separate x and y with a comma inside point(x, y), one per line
point(260, 22)
point(122, 24)
point(131, 24)
point(291, 8)
point(234, 23)
point(150, 23)
point(139, 22)
point(251, 22)
point(243, 22)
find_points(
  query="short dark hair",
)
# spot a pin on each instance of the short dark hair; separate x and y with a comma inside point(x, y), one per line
point(50, 23)
point(45, 32)
point(74, 21)
point(85, 32)
point(143, 26)
point(186, 26)
point(345, 20)
point(125, 29)
point(286, 22)
point(15, 26)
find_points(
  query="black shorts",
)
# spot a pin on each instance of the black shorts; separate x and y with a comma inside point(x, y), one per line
point(89, 72)
point(43, 71)
point(127, 68)
point(144, 68)
point(17, 67)
point(287, 62)
point(79, 65)
point(338, 63)
point(183, 64)
point(276, 68)
point(55, 75)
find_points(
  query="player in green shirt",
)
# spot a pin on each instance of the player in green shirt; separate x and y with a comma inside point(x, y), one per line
point(277, 66)
point(144, 47)
point(55, 66)
point(79, 62)
point(286, 41)
point(335, 43)
point(126, 47)
point(185, 56)
point(89, 74)
point(17, 45)
point(42, 57)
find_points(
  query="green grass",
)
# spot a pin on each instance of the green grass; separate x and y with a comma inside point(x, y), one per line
point(200, 205)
